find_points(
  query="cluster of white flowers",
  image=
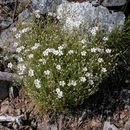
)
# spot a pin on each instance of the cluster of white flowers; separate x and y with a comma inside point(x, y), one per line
point(59, 93)
point(100, 60)
point(58, 67)
point(93, 49)
point(52, 50)
point(43, 61)
point(73, 83)
point(62, 83)
point(37, 83)
point(17, 35)
point(47, 72)
point(5, 58)
point(35, 46)
point(15, 44)
point(10, 65)
point(19, 49)
point(71, 52)
point(83, 79)
point(21, 69)
point(37, 13)
point(14, 29)
point(91, 82)
point(89, 75)
point(94, 30)
point(83, 53)
point(31, 73)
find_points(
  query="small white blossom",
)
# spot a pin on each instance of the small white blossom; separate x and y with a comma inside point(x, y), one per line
point(60, 94)
point(43, 61)
point(20, 59)
point(57, 90)
point(60, 48)
point(24, 30)
point(83, 53)
point(85, 69)
point(60, 53)
point(36, 12)
point(31, 72)
point(35, 46)
point(91, 82)
point(83, 41)
point(19, 49)
point(18, 36)
point(93, 49)
point(73, 83)
point(45, 53)
point(108, 50)
point(15, 44)
point(62, 83)
point(37, 83)
point(89, 75)
point(30, 56)
point(14, 29)
point(10, 65)
point(100, 60)
point(5, 58)
point(58, 67)
point(47, 72)
point(94, 30)
point(82, 79)
point(104, 70)
point(21, 69)
point(105, 38)
point(71, 52)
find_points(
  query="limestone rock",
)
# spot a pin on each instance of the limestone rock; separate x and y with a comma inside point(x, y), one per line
point(86, 15)
point(111, 3)
point(45, 6)
point(109, 126)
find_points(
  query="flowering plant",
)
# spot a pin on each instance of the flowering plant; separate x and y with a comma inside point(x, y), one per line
point(60, 70)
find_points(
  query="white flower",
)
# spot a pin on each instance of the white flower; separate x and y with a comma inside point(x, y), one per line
point(21, 69)
point(45, 53)
point(15, 44)
point(93, 49)
point(14, 29)
point(108, 50)
point(105, 38)
point(85, 69)
point(104, 70)
point(37, 83)
point(57, 90)
point(5, 58)
point(20, 59)
point(10, 65)
point(91, 82)
point(83, 41)
point(43, 61)
point(30, 56)
point(82, 79)
point(60, 53)
point(18, 36)
point(100, 50)
point(73, 83)
point(31, 72)
point(24, 30)
point(62, 83)
point(100, 60)
point(35, 46)
point(60, 94)
point(19, 49)
point(60, 48)
point(36, 12)
point(89, 75)
point(70, 52)
point(94, 30)
point(47, 72)
point(83, 53)
point(58, 67)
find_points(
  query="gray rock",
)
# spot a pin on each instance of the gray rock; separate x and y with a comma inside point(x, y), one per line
point(45, 6)
point(111, 3)
point(4, 89)
point(109, 126)
point(45, 126)
point(86, 15)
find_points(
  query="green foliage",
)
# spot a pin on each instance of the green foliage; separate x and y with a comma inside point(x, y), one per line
point(60, 68)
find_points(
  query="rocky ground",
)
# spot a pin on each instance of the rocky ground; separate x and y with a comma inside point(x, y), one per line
point(108, 109)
